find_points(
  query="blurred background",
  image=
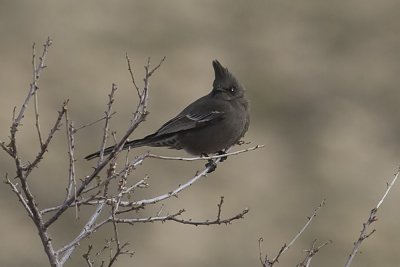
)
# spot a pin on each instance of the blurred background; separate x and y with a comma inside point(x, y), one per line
point(322, 77)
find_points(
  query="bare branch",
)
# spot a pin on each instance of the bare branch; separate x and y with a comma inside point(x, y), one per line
point(269, 263)
point(139, 116)
point(28, 199)
point(124, 171)
point(120, 251)
point(88, 179)
point(145, 94)
point(35, 97)
point(19, 195)
point(33, 87)
point(37, 119)
point(311, 253)
point(141, 203)
point(217, 221)
point(206, 158)
point(71, 188)
point(67, 250)
point(90, 228)
point(174, 192)
point(371, 219)
point(156, 67)
point(92, 123)
point(6, 149)
point(119, 248)
point(148, 219)
point(113, 190)
point(43, 150)
point(86, 256)
point(132, 76)
point(107, 119)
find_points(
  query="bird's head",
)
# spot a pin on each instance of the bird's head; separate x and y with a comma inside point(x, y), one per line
point(225, 84)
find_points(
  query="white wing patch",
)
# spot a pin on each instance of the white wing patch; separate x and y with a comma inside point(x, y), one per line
point(203, 117)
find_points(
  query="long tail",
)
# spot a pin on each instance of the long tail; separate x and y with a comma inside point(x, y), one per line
point(131, 144)
point(107, 151)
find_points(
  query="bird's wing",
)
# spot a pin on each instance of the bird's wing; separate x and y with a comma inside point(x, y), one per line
point(189, 121)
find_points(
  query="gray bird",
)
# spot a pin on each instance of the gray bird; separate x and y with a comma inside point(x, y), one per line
point(211, 124)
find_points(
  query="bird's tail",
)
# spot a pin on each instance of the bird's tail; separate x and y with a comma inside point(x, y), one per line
point(128, 145)
point(107, 151)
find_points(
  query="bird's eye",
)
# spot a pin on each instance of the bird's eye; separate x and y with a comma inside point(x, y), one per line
point(232, 89)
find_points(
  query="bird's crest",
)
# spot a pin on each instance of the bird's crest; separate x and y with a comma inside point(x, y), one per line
point(220, 71)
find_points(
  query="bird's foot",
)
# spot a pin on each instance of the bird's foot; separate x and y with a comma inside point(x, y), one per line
point(242, 142)
point(220, 153)
point(211, 165)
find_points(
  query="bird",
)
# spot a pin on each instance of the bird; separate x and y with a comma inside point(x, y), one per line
point(209, 125)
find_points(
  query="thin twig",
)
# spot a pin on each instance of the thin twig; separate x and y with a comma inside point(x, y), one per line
point(94, 122)
point(86, 256)
point(34, 79)
point(33, 87)
point(132, 76)
point(6, 149)
point(371, 219)
point(218, 220)
point(174, 192)
point(23, 172)
point(269, 263)
point(65, 252)
point(107, 119)
point(156, 67)
point(95, 200)
point(139, 116)
point(71, 189)
point(120, 252)
point(37, 119)
point(206, 158)
point(126, 170)
point(43, 150)
point(20, 196)
point(311, 253)
point(119, 248)
point(89, 230)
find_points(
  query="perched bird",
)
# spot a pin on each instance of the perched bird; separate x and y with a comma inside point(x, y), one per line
point(211, 124)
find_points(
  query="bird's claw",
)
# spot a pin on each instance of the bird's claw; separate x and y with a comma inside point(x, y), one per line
point(211, 165)
point(220, 153)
